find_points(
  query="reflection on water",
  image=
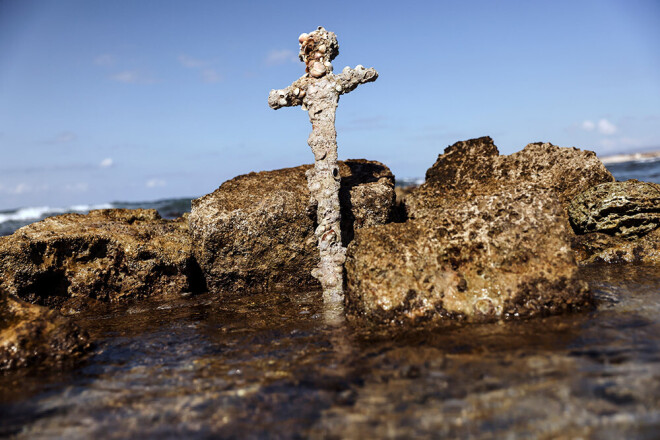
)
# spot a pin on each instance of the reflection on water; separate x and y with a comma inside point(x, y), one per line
point(279, 366)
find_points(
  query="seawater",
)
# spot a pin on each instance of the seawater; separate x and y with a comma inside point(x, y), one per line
point(272, 365)
point(645, 170)
point(10, 220)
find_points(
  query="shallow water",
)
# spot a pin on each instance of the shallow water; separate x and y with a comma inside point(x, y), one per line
point(279, 366)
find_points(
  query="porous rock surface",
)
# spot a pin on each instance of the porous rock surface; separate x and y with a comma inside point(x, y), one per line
point(490, 256)
point(597, 247)
point(628, 209)
point(31, 335)
point(256, 231)
point(487, 238)
point(475, 166)
point(106, 255)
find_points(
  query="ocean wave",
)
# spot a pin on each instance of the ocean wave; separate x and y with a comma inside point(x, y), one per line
point(11, 220)
point(40, 212)
point(409, 181)
point(647, 160)
point(631, 158)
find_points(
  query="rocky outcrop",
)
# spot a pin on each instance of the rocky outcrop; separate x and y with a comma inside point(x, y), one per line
point(617, 222)
point(628, 209)
point(474, 167)
point(596, 247)
point(488, 238)
point(494, 256)
point(106, 255)
point(31, 335)
point(256, 231)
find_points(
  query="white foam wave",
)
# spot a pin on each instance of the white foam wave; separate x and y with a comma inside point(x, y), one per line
point(634, 157)
point(39, 212)
point(409, 181)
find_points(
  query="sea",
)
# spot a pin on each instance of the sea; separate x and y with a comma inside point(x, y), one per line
point(12, 219)
point(646, 169)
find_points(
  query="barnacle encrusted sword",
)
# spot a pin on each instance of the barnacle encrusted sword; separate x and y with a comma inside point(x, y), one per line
point(318, 92)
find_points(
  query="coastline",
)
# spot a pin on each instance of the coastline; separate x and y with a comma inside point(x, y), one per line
point(640, 165)
point(631, 157)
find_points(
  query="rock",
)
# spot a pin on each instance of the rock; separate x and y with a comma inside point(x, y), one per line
point(628, 209)
point(475, 167)
point(598, 247)
point(487, 257)
point(488, 239)
point(256, 231)
point(106, 255)
point(617, 222)
point(31, 335)
point(588, 245)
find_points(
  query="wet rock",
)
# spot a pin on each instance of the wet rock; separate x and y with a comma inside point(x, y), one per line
point(628, 209)
point(598, 247)
point(488, 257)
point(257, 230)
point(488, 239)
point(588, 245)
point(32, 335)
point(106, 255)
point(475, 167)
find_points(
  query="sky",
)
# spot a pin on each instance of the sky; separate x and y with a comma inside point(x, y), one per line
point(132, 100)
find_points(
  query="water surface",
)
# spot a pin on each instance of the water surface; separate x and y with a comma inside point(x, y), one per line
point(275, 365)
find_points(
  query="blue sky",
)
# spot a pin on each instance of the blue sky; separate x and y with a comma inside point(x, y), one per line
point(140, 100)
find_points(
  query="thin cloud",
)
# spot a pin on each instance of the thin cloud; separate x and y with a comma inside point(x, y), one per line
point(41, 170)
point(76, 187)
point(588, 125)
point(603, 126)
point(125, 76)
point(627, 144)
point(276, 57)
point(64, 137)
point(155, 183)
point(192, 63)
point(105, 60)
point(106, 163)
point(606, 127)
point(22, 188)
point(206, 69)
point(211, 76)
point(132, 77)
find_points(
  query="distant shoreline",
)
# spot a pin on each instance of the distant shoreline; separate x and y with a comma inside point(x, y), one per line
point(620, 158)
